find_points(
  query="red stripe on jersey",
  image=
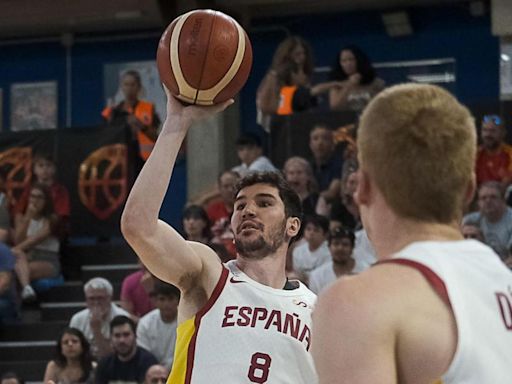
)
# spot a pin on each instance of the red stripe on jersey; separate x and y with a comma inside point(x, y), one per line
point(197, 322)
point(434, 280)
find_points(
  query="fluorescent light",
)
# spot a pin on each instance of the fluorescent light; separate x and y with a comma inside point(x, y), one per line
point(505, 57)
point(433, 78)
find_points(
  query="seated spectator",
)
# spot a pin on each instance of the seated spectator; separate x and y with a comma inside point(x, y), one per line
point(156, 331)
point(36, 247)
point(8, 305)
point(135, 292)
point(359, 83)
point(250, 153)
point(326, 163)
point(196, 224)
point(128, 363)
point(156, 374)
point(73, 360)
point(94, 321)
point(494, 156)
point(364, 254)
point(341, 245)
point(472, 231)
point(219, 212)
point(11, 378)
point(44, 172)
point(298, 173)
point(494, 217)
point(315, 251)
point(344, 208)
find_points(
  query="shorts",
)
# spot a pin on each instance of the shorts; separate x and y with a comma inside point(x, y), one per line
point(47, 256)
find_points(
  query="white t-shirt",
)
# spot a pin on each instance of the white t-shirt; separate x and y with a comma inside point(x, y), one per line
point(82, 321)
point(363, 254)
point(305, 261)
point(157, 337)
point(261, 164)
point(324, 275)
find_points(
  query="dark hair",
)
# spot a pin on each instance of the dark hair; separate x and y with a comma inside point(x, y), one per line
point(291, 200)
point(227, 172)
point(250, 140)
point(198, 212)
point(318, 221)
point(42, 156)
point(342, 233)
point(363, 65)
point(135, 74)
point(165, 289)
point(122, 320)
point(48, 209)
point(85, 357)
point(12, 375)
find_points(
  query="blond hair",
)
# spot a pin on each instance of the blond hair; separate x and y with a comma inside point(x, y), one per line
point(418, 144)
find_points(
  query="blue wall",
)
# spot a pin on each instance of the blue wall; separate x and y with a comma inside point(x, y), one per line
point(438, 32)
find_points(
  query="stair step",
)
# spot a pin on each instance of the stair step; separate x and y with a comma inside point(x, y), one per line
point(39, 331)
point(27, 350)
point(107, 253)
point(30, 371)
point(71, 291)
point(60, 311)
point(115, 273)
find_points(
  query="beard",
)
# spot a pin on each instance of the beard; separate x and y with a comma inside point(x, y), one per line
point(259, 248)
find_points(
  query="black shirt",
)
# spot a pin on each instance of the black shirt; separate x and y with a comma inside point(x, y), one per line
point(111, 369)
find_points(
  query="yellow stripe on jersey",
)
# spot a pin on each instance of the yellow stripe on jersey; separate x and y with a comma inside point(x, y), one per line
point(184, 334)
point(438, 382)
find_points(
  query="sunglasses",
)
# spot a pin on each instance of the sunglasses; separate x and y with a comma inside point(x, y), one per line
point(492, 118)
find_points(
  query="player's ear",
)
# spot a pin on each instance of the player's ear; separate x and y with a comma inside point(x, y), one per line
point(363, 190)
point(470, 190)
point(293, 226)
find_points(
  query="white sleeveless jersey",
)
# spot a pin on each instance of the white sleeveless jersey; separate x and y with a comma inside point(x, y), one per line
point(479, 289)
point(247, 333)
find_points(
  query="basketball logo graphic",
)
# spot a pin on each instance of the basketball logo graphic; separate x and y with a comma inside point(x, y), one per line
point(102, 180)
point(17, 162)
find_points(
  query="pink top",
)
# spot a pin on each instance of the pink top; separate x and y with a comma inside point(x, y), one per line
point(134, 292)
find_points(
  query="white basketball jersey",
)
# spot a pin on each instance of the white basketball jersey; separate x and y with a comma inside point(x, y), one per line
point(479, 288)
point(247, 333)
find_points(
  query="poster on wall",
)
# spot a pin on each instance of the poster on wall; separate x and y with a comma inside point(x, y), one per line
point(506, 70)
point(151, 86)
point(33, 106)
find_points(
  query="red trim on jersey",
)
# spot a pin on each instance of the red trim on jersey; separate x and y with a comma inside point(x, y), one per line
point(197, 321)
point(433, 278)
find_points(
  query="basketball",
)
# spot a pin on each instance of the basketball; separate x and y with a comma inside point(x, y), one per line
point(204, 57)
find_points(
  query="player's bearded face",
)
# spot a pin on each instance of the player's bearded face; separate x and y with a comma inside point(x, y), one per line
point(260, 246)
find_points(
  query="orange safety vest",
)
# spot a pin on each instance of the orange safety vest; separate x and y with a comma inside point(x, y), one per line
point(285, 100)
point(144, 111)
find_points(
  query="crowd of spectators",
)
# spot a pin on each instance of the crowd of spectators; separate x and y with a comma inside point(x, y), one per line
point(135, 341)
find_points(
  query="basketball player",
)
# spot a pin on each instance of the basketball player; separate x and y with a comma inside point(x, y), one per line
point(242, 322)
point(436, 308)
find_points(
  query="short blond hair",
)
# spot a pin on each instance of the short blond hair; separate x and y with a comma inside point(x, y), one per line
point(418, 144)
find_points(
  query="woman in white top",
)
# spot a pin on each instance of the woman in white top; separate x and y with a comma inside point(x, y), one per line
point(359, 83)
point(36, 247)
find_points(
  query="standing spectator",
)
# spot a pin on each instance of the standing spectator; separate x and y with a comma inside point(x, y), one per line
point(156, 331)
point(44, 172)
point(341, 247)
point(196, 224)
point(95, 319)
point(299, 174)
point(8, 306)
point(135, 292)
point(494, 157)
point(36, 248)
point(315, 251)
point(494, 217)
point(128, 363)
point(219, 212)
point(326, 165)
point(250, 153)
point(359, 81)
point(156, 374)
point(293, 51)
point(73, 360)
point(137, 115)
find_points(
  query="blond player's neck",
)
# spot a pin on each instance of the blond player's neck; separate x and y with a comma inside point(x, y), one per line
point(399, 233)
point(269, 271)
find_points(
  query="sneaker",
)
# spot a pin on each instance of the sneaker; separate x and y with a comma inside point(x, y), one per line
point(28, 294)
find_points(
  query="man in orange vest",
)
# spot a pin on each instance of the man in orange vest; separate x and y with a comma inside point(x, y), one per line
point(138, 115)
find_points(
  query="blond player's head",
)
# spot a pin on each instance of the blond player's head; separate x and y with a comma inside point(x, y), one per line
point(417, 144)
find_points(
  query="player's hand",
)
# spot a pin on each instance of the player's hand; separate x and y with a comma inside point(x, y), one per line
point(192, 113)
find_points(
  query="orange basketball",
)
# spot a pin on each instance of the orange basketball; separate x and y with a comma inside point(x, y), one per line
point(204, 57)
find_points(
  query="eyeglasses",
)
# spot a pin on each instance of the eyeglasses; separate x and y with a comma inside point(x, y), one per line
point(492, 119)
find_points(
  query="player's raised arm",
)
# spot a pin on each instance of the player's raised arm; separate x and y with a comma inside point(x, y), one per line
point(160, 247)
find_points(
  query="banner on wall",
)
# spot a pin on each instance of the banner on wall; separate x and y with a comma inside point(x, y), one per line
point(91, 162)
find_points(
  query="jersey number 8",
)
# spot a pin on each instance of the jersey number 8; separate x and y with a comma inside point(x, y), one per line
point(260, 366)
